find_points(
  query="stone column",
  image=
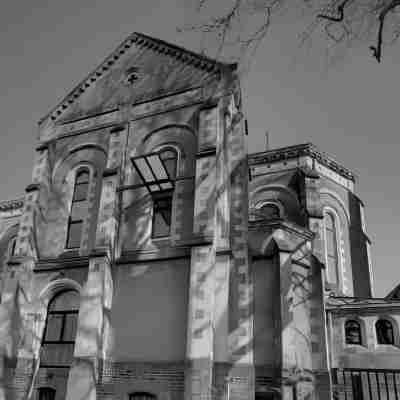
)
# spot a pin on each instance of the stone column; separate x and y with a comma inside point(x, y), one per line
point(90, 340)
point(9, 335)
point(319, 334)
point(200, 336)
point(296, 294)
point(19, 305)
point(241, 376)
point(200, 330)
point(94, 339)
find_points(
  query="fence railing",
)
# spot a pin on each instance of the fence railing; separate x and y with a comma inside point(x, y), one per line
point(366, 384)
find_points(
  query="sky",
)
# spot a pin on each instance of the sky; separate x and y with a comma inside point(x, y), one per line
point(348, 109)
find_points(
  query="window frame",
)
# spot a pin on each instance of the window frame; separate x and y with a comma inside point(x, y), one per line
point(168, 194)
point(71, 221)
point(64, 314)
point(330, 212)
point(360, 329)
point(393, 331)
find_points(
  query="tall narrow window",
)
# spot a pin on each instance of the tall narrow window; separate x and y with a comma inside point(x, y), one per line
point(353, 332)
point(78, 208)
point(384, 332)
point(331, 248)
point(12, 245)
point(60, 329)
point(162, 201)
point(46, 393)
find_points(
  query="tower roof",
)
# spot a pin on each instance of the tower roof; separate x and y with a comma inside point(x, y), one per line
point(299, 150)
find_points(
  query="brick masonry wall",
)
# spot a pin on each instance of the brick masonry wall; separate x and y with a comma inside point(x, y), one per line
point(165, 380)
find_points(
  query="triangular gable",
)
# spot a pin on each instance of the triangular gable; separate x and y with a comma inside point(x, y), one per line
point(141, 68)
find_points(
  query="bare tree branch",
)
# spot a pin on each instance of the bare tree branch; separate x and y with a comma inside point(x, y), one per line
point(377, 50)
point(246, 22)
point(339, 17)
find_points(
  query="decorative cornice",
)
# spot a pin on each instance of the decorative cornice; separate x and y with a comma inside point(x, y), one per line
point(349, 304)
point(11, 205)
point(186, 56)
point(300, 150)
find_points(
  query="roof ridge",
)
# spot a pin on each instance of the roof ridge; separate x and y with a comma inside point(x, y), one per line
point(197, 60)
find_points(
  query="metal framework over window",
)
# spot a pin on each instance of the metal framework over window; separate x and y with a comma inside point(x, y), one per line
point(156, 170)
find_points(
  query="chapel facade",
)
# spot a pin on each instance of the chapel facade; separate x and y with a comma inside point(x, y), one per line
point(153, 258)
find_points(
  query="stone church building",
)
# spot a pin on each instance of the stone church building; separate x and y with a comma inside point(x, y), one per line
point(153, 258)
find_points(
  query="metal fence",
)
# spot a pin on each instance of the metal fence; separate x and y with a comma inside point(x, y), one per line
point(366, 384)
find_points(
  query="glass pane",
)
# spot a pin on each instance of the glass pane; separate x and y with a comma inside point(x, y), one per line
point(70, 327)
point(81, 191)
point(79, 210)
point(12, 246)
point(144, 170)
point(162, 216)
point(74, 234)
point(170, 159)
point(56, 354)
point(353, 332)
point(170, 165)
point(384, 332)
point(53, 327)
point(166, 186)
point(65, 301)
point(82, 177)
point(161, 227)
point(332, 270)
point(270, 211)
point(331, 243)
point(157, 167)
point(329, 222)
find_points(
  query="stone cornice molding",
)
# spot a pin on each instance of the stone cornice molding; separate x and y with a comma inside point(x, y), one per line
point(346, 305)
point(185, 56)
point(300, 150)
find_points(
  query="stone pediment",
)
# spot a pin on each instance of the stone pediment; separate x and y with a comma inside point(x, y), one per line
point(140, 69)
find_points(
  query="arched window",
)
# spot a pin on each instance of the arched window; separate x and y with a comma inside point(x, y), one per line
point(79, 208)
point(384, 332)
point(331, 247)
point(353, 332)
point(142, 396)
point(162, 201)
point(269, 211)
point(46, 393)
point(60, 330)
